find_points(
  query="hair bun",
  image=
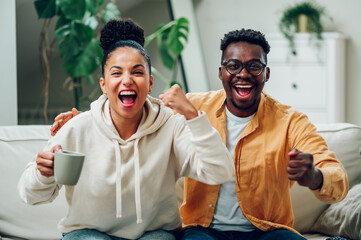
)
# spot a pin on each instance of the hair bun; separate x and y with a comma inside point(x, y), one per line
point(116, 30)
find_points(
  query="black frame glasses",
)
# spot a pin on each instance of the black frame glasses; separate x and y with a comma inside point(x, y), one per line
point(254, 67)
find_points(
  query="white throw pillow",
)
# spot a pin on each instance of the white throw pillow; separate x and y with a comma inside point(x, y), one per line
point(342, 218)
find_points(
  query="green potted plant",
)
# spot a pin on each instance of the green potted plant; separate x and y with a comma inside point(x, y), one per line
point(77, 35)
point(76, 31)
point(302, 17)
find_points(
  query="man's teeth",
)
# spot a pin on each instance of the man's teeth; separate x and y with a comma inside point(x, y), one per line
point(127, 93)
point(243, 86)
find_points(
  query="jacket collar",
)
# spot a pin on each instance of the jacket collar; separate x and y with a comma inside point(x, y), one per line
point(254, 123)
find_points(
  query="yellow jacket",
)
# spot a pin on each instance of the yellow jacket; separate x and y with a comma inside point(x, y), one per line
point(261, 158)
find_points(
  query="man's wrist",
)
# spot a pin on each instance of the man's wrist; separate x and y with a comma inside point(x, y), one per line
point(318, 180)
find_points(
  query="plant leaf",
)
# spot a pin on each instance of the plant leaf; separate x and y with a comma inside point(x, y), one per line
point(71, 37)
point(73, 9)
point(92, 22)
point(162, 36)
point(84, 32)
point(171, 38)
point(178, 36)
point(162, 29)
point(61, 21)
point(45, 8)
point(110, 12)
point(86, 62)
point(167, 59)
point(92, 6)
point(68, 42)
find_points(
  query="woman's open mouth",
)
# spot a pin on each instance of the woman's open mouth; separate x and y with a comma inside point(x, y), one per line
point(128, 98)
point(243, 91)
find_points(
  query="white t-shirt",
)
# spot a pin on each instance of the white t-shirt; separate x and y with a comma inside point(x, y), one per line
point(228, 215)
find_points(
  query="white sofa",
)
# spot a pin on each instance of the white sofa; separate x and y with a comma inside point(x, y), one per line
point(18, 144)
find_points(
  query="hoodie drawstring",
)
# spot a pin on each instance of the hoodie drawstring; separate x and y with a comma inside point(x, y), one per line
point(138, 206)
point(118, 183)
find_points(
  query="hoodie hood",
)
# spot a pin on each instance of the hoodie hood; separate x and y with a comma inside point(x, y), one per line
point(155, 115)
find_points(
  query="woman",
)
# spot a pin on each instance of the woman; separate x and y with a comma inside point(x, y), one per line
point(135, 147)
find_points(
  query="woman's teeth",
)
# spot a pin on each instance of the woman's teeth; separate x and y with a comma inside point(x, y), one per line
point(127, 97)
point(127, 93)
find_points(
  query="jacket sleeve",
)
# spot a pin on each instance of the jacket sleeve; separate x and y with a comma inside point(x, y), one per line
point(201, 153)
point(335, 182)
point(34, 188)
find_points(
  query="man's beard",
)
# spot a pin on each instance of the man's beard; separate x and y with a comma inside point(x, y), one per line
point(243, 108)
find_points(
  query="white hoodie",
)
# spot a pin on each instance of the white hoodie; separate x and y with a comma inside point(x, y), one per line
point(127, 187)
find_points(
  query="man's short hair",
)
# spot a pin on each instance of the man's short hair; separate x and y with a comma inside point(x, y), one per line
point(245, 35)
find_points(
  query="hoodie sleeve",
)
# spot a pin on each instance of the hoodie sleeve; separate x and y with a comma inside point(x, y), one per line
point(201, 153)
point(34, 188)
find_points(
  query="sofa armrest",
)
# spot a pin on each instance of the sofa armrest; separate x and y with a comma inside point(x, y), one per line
point(18, 145)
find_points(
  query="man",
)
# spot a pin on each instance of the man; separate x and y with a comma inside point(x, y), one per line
point(264, 137)
point(273, 146)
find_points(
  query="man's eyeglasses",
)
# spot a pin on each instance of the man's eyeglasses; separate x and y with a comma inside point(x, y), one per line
point(234, 66)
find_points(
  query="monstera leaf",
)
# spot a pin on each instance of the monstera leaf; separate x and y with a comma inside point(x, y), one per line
point(167, 58)
point(73, 9)
point(92, 6)
point(86, 61)
point(178, 36)
point(171, 39)
point(71, 37)
point(45, 8)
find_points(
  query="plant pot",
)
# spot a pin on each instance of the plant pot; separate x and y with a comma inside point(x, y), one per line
point(303, 23)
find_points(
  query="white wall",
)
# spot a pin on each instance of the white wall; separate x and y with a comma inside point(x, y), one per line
point(192, 56)
point(215, 18)
point(8, 96)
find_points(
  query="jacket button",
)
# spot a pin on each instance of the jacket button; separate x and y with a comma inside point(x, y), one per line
point(210, 205)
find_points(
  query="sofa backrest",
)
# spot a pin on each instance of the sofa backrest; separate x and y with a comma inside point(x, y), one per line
point(18, 145)
point(344, 139)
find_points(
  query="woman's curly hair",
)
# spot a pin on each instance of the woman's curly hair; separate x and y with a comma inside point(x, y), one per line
point(122, 33)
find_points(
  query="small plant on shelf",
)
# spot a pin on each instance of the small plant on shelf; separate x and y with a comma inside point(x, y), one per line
point(302, 17)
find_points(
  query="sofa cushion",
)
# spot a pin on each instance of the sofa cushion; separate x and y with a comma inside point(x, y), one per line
point(18, 145)
point(342, 218)
point(345, 140)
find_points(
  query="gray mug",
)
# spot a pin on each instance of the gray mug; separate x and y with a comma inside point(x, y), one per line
point(67, 167)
